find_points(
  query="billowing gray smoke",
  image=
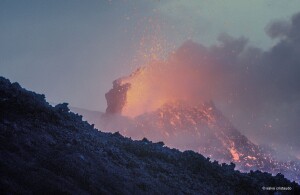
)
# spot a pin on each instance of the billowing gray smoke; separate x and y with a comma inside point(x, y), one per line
point(258, 90)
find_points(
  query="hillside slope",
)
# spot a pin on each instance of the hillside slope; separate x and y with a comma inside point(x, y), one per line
point(50, 150)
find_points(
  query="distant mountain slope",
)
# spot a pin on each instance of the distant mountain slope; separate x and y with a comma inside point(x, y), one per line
point(49, 150)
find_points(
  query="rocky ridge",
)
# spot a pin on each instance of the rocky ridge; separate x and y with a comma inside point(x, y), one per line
point(50, 150)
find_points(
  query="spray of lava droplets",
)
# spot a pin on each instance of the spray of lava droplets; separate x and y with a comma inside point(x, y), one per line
point(163, 78)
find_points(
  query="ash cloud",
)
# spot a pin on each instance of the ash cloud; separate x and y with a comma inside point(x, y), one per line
point(278, 29)
point(258, 90)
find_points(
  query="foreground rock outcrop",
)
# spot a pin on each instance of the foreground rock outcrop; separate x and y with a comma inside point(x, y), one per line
point(50, 150)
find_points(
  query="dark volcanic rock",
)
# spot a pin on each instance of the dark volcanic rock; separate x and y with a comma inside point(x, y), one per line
point(49, 150)
point(116, 97)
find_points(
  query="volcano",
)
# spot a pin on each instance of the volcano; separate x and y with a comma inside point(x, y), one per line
point(198, 126)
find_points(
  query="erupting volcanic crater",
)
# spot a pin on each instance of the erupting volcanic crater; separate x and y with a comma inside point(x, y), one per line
point(170, 101)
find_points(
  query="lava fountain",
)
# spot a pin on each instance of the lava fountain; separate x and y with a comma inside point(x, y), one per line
point(161, 82)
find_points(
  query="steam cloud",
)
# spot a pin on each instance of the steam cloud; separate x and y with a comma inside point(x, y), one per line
point(258, 90)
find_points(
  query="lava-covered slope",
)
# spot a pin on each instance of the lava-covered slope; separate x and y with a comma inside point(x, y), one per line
point(201, 128)
point(204, 129)
point(49, 150)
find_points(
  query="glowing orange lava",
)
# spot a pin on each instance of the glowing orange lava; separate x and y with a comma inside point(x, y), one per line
point(161, 82)
point(235, 154)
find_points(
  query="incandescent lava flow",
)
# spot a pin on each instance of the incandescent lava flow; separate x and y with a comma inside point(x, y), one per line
point(170, 101)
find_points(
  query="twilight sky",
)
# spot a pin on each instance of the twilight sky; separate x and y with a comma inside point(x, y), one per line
point(72, 50)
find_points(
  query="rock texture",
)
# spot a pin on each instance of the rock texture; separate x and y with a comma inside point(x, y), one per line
point(50, 150)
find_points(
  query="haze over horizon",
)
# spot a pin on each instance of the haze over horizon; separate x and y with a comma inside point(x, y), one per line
point(72, 51)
